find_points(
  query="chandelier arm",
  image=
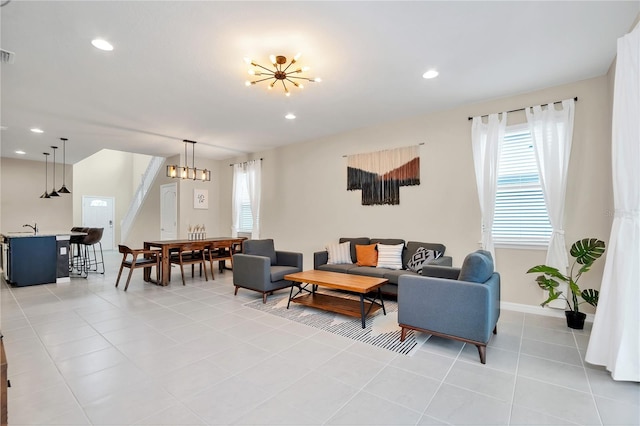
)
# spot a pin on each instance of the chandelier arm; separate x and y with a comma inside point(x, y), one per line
point(264, 68)
point(284, 85)
point(290, 63)
point(263, 79)
point(300, 78)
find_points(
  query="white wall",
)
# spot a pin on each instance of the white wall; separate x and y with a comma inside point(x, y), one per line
point(305, 204)
point(22, 183)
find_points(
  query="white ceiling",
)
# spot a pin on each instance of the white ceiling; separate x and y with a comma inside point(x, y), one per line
point(177, 70)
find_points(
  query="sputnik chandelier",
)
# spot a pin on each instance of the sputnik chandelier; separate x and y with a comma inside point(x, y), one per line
point(279, 73)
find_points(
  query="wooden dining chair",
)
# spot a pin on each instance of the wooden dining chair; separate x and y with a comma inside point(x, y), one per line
point(191, 254)
point(138, 258)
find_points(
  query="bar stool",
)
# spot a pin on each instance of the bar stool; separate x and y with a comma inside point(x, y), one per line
point(93, 237)
point(75, 256)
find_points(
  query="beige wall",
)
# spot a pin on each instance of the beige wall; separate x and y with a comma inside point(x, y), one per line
point(147, 223)
point(305, 204)
point(22, 183)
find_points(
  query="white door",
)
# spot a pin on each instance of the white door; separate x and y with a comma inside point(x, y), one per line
point(169, 211)
point(99, 212)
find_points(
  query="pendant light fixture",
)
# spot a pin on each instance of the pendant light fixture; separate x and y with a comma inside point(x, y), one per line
point(53, 192)
point(46, 173)
point(63, 189)
point(186, 172)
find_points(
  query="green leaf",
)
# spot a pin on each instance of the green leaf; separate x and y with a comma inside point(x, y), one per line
point(548, 270)
point(587, 250)
point(590, 296)
point(547, 283)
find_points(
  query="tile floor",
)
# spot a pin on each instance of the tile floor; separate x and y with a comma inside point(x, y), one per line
point(86, 353)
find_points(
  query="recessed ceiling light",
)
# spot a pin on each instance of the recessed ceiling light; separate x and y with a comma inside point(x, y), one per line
point(101, 44)
point(290, 116)
point(20, 152)
point(430, 74)
point(36, 130)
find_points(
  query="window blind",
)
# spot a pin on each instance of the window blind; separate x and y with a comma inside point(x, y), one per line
point(520, 216)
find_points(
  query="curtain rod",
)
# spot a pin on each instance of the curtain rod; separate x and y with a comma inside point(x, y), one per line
point(244, 162)
point(345, 156)
point(522, 109)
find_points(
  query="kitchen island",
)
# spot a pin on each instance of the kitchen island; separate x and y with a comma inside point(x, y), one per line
point(35, 258)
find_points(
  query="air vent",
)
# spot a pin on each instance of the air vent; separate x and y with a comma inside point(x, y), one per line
point(7, 57)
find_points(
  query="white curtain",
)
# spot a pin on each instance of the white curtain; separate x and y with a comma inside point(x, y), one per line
point(486, 141)
point(236, 201)
point(254, 183)
point(615, 337)
point(250, 174)
point(552, 134)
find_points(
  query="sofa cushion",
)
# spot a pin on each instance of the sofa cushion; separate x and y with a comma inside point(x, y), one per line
point(421, 257)
point(261, 248)
point(413, 246)
point(366, 255)
point(477, 267)
point(368, 271)
point(393, 276)
point(277, 273)
point(355, 241)
point(344, 268)
point(390, 256)
point(339, 253)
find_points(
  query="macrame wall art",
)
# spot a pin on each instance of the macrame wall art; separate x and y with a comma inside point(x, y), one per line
point(379, 175)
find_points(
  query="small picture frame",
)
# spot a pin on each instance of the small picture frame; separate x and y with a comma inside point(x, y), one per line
point(200, 199)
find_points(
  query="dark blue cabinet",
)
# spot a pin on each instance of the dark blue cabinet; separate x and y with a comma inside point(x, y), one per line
point(32, 260)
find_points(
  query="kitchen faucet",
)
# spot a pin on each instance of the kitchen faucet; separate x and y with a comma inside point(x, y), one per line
point(34, 227)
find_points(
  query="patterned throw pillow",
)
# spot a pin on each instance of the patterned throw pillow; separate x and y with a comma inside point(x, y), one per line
point(367, 255)
point(390, 256)
point(422, 257)
point(339, 253)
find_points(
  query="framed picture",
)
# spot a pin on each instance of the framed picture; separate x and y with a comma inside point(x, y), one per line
point(200, 199)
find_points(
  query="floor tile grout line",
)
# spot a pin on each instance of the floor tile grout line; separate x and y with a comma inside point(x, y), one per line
point(516, 375)
point(584, 370)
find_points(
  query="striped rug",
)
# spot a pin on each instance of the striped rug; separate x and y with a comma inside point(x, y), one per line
point(381, 330)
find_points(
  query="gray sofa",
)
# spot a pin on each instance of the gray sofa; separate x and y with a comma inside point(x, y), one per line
point(462, 304)
point(320, 259)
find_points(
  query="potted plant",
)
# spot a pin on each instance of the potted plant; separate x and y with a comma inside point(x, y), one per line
point(584, 252)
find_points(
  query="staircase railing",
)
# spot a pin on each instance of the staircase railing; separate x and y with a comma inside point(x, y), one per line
point(138, 198)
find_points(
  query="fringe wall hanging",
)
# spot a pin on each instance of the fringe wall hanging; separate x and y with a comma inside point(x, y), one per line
point(379, 175)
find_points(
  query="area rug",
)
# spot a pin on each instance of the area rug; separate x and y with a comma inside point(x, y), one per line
point(381, 330)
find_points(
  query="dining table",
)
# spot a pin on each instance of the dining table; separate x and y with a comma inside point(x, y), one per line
point(230, 245)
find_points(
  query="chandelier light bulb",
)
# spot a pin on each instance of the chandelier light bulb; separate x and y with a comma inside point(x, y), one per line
point(252, 72)
point(272, 58)
point(317, 80)
point(247, 60)
point(248, 83)
point(295, 58)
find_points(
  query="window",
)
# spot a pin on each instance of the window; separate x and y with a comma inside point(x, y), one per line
point(520, 217)
point(246, 218)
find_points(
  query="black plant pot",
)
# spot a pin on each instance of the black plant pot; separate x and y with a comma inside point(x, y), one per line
point(575, 320)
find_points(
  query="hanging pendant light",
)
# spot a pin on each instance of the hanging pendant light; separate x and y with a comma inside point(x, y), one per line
point(186, 172)
point(63, 189)
point(46, 172)
point(53, 192)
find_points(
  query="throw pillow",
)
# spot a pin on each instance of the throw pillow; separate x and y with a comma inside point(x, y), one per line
point(390, 256)
point(366, 255)
point(422, 257)
point(339, 253)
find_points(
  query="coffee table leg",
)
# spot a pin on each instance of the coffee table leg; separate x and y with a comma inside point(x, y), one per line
point(381, 301)
point(362, 310)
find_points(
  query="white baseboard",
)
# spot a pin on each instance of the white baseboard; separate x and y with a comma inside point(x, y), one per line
point(538, 310)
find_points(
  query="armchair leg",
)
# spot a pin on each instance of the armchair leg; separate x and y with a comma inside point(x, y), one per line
point(235, 293)
point(495, 329)
point(403, 334)
point(264, 297)
point(482, 351)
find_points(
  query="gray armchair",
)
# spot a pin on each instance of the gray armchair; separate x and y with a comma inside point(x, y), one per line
point(464, 304)
point(261, 268)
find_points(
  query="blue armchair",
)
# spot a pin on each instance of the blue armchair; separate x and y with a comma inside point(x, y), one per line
point(261, 268)
point(462, 304)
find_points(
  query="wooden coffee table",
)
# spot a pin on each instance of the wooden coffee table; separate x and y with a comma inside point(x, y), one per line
point(358, 284)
